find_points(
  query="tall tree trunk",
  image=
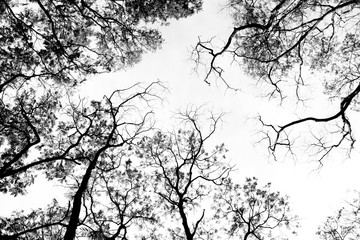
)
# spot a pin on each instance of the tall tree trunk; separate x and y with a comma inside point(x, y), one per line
point(75, 213)
point(189, 235)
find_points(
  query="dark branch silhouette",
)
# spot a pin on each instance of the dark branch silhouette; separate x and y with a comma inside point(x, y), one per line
point(252, 212)
point(279, 43)
point(184, 171)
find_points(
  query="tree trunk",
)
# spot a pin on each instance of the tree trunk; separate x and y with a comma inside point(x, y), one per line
point(75, 213)
point(189, 235)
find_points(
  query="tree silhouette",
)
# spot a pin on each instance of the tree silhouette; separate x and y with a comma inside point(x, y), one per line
point(123, 185)
point(83, 141)
point(252, 212)
point(118, 202)
point(279, 43)
point(48, 48)
point(38, 224)
point(120, 182)
point(184, 172)
point(24, 124)
point(345, 225)
point(65, 41)
point(48, 45)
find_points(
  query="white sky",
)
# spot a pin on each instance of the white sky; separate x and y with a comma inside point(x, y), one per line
point(313, 194)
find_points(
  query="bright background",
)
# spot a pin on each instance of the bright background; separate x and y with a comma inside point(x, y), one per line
point(314, 194)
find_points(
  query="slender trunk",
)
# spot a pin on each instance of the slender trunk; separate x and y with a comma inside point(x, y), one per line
point(189, 235)
point(248, 232)
point(75, 213)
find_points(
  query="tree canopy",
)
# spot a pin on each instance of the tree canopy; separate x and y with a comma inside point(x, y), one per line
point(66, 41)
point(47, 49)
point(47, 45)
point(125, 177)
point(283, 44)
point(253, 212)
point(344, 225)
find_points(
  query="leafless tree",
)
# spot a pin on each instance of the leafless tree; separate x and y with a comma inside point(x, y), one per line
point(280, 42)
